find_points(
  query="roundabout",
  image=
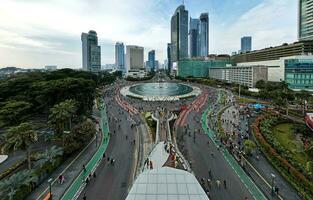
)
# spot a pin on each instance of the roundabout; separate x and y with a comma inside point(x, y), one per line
point(160, 91)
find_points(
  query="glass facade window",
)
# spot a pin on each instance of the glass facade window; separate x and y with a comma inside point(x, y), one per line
point(199, 68)
point(299, 73)
point(120, 56)
point(179, 34)
point(246, 45)
point(305, 19)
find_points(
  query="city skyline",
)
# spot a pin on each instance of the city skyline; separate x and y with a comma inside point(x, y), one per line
point(29, 41)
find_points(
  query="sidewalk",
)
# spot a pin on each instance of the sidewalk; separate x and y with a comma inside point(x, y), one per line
point(80, 181)
point(70, 169)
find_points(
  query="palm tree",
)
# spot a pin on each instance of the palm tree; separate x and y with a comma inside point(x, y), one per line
point(11, 185)
point(49, 155)
point(20, 137)
point(61, 116)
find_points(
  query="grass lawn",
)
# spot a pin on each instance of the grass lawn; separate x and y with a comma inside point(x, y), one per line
point(285, 136)
point(246, 100)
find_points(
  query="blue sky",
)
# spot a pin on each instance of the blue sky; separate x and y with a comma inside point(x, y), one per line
point(34, 33)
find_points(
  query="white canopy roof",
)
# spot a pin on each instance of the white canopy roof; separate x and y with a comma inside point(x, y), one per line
point(166, 184)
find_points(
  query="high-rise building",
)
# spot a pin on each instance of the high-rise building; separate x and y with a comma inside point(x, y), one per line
point(204, 35)
point(156, 65)
point(91, 52)
point(305, 19)
point(194, 37)
point(134, 57)
point(179, 34)
point(120, 57)
point(169, 60)
point(246, 44)
point(151, 60)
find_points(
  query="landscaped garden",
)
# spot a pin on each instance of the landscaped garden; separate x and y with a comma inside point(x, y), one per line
point(288, 146)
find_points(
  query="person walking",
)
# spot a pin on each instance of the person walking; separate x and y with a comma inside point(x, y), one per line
point(209, 183)
point(60, 178)
point(84, 168)
point(84, 197)
point(210, 174)
point(224, 183)
point(218, 183)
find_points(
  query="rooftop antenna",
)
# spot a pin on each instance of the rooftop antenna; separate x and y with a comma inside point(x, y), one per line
point(183, 2)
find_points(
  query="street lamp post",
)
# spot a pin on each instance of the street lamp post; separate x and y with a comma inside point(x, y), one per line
point(50, 182)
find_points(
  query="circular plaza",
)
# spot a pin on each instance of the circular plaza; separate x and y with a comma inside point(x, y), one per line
point(163, 91)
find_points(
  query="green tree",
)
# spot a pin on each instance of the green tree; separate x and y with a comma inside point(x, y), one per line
point(249, 146)
point(280, 101)
point(309, 168)
point(261, 84)
point(13, 112)
point(10, 186)
point(61, 115)
point(20, 137)
point(49, 155)
point(80, 136)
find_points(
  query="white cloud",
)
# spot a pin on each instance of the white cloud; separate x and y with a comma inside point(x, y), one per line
point(40, 32)
point(270, 23)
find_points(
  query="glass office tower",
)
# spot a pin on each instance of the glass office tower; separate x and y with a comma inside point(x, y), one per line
point(305, 19)
point(120, 56)
point(246, 44)
point(179, 34)
point(204, 35)
point(91, 52)
point(194, 37)
point(151, 60)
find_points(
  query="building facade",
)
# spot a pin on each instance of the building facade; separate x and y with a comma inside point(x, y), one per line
point(120, 57)
point(275, 53)
point(51, 67)
point(200, 67)
point(305, 20)
point(179, 34)
point(194, 37)
point(134, 57)
point(243, 75)
point(151, 60)
point(246, 44)
point(169, 60)
point(91, 52)
point(204, 35)
point(297, 71)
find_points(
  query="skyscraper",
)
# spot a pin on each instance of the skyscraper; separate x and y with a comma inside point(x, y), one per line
point(169, 60)
point(134, 57)
point(204, 35)
point(305, 19)
point(91, 52)
point(120, 57)
point(246, 44)
point(179, 34)
point(194, 37)
point(151, 60)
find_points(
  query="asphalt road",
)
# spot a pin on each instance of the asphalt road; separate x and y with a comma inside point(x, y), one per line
point(113, 181)
point(198, 152)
